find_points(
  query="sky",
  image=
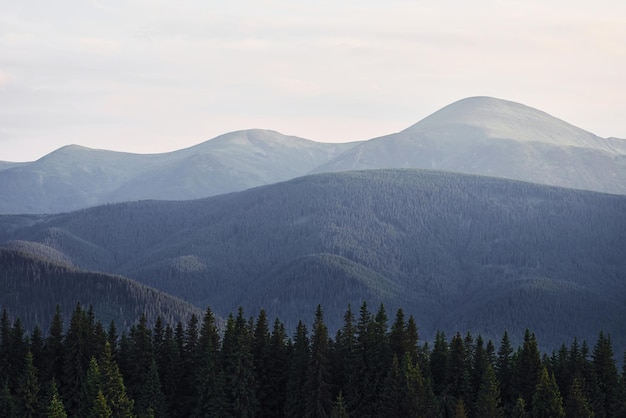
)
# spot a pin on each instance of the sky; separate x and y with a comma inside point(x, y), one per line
point(150, 76)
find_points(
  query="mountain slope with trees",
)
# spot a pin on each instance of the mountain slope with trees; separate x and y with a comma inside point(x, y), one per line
point(456, 251)
point(31, 287)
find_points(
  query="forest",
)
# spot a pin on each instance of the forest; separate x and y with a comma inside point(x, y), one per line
point(456, 251)
point(374, 366)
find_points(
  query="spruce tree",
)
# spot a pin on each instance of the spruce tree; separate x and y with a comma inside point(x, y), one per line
point(504, 372)
point(606, 375)
point(208, 372)
point(339, 408)
point(488, 399)
point(576, 405)
point(298, 366)
point(318, 395)
point(519, 409)
point(27, 393)
point(100, 409)
point(239, 386)
point(547, 400)
point(8, 407)
point(527, 368)
point(56, 408)
point(112, 386)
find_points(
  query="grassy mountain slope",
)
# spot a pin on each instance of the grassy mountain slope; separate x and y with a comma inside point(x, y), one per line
point(75, 177)
point(31, 286)
point(493, 137)
point(456, 251)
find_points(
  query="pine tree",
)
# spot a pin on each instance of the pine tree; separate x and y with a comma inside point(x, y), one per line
point(208, 349)
point(606, 376)
point(262, 363)
point(504, 372)
point(239, 386)
point(339, 408)
point(298, 365)
point(112, 386)
point(576, 405)
point(547, 401)
point(519, 409)
point(27, 394)
point(7, 401)
point(488, 399)
point(459, 409)
point(318, 396)
point(56, 408)
point(527, 368)
point(100, 409)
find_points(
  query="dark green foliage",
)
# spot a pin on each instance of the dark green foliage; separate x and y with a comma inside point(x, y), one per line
point(576, 405)
point(318, 401)
point(302, 377)
point(27, 392)
point(547, 400)
point(8, 408)
point(488, 399)
point(298, 367)
point(339, 408)
point(56, 408)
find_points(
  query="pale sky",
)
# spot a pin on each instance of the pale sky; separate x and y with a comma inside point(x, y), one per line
point(153, 76)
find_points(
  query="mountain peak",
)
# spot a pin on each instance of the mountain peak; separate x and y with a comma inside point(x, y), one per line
point(498, 118)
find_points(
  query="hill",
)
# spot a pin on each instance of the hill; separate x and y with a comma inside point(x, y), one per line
point(477, 135)
point(75, 177)
point(499, 138)
point(31, 287)
point(456, 251)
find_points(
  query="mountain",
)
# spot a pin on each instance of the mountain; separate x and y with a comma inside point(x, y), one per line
point(493, 137)
point(32, 285)
point(459, 252)
point(75, 177)
point(478, 135)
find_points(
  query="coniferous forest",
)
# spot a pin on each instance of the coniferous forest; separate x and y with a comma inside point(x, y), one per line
point(374, 366)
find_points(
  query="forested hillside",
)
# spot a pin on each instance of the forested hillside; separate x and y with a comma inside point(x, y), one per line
point(31, 287)
point(374, 366)
point(458, 252)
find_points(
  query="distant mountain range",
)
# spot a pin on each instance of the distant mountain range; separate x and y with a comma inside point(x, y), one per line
point(459, 252)
point(477, 135)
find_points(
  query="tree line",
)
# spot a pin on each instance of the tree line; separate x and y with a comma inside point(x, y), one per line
point(372, 367)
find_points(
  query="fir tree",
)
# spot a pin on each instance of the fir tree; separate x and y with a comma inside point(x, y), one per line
point(339, 408)
point(100, 409)
point(547, 401)
point(576, 405)
point(27, 393)
point(488, 400)
point(56, 408)
point(7, 401)
point(318, 396)
point(298, 366)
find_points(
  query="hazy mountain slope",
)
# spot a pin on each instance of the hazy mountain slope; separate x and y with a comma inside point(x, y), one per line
point(75, 177)
point(31, 286)
point(453, 250)
point(493, 137)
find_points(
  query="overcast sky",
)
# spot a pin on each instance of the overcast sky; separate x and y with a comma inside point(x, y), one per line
point(153, 76)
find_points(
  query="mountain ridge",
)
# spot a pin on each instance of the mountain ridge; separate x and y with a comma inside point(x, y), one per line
point(477, 135)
